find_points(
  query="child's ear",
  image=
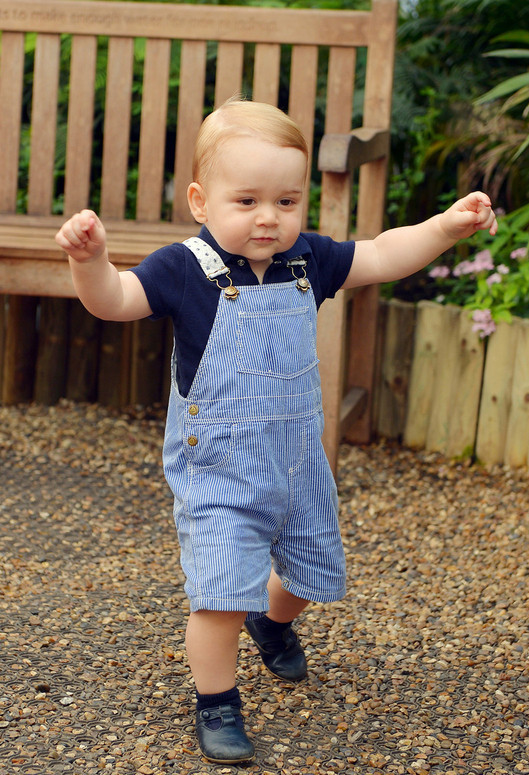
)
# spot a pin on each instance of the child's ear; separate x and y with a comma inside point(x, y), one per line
point(196, 198)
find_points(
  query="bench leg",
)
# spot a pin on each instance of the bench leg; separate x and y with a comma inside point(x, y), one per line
point(361, 357)
point(19, 350)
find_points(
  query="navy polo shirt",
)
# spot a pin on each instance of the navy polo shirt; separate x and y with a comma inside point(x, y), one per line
point(176, 286)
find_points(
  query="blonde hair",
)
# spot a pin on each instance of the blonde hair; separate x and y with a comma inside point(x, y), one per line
point(243, 118)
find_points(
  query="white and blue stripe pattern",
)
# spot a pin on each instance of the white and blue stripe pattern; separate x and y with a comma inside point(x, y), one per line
point(244, 458)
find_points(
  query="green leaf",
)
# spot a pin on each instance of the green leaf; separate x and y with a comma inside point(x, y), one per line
point(513, 36)
point(522, 148)
point(506, 87)
point(509, 53)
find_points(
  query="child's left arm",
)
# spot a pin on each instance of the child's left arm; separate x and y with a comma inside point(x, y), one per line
point(400, 252)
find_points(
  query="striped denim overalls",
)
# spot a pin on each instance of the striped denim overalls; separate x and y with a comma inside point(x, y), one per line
point(244, 459)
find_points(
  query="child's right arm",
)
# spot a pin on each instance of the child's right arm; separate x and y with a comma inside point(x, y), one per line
point(105, 292)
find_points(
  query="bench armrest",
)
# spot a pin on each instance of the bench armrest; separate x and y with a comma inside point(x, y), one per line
point(345, 152)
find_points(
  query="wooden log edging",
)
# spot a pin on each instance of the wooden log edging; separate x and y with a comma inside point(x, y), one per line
point(503, 432)
point(395, 354)
point(466, 396)
point(517, 440)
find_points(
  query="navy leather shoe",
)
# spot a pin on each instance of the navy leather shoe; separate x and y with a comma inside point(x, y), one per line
point(221, 735)
point(281, 654)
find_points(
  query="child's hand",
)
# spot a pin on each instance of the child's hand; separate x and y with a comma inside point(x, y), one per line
point(468, 215)
point(83, 237)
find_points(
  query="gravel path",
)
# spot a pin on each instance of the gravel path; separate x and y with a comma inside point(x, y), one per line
point(423, 668)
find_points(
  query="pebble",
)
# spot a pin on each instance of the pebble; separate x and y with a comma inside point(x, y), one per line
point(422, 668)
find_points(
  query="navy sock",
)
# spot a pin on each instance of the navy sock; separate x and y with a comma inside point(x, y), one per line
point(231, 697)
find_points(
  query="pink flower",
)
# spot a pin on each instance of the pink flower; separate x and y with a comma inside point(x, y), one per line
point(483, 322)
point(519, 253)
point(483, 261)
point(465, 267)
point(439, 271)
point(502, 269)
point(494, 278)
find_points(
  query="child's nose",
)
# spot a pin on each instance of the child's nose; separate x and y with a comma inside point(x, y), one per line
point(266, 215)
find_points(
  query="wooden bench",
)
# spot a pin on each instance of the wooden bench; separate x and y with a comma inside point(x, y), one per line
point(55, 158)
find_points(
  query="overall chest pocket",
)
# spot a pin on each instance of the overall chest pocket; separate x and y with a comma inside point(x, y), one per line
point(276, 343)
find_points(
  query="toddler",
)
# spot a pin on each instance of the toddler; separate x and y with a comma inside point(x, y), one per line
point(255, 502)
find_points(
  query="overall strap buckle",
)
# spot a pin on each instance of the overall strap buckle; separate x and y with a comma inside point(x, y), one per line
point(302, 284)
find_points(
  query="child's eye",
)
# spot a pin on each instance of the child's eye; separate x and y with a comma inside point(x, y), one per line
point(247, 202)
point(287, 202)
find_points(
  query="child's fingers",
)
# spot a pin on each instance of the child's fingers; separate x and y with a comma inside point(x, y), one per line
point(81, 225)
point(80, 230)
point(476, 200)
point(89, 220)
point(470, 214)
point(66, 238)
point(487, 218)
point(479, 207)
point(73, 234)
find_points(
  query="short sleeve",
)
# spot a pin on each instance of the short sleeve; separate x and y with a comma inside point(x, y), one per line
point(163, 277)
point(333, 261)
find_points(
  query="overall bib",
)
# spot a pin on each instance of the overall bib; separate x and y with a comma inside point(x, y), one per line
point(244, 459)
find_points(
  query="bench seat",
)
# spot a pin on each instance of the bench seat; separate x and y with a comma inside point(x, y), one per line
point(31, 262)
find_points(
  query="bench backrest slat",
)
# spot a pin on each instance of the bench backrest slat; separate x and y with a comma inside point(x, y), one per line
point(228, 81)
point(153, 130)
point(80, 122)
point(118, 101)
point(11, 85)
point(302, 101)
point(266, 72)
point(44, 124)
point(340, 90)
point(190, 115)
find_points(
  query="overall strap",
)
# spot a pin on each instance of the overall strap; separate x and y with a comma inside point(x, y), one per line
point(212, 265)
point(210, 262)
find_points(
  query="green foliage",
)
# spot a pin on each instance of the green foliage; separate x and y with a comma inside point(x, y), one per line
point(441, 67)
point(516, 87)
point(411, 174)
point(460, 121)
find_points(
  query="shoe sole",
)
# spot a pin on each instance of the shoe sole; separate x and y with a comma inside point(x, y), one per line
point(282, 677)
point(229, 761)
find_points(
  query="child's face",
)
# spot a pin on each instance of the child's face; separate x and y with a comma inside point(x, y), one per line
point(252, 199)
